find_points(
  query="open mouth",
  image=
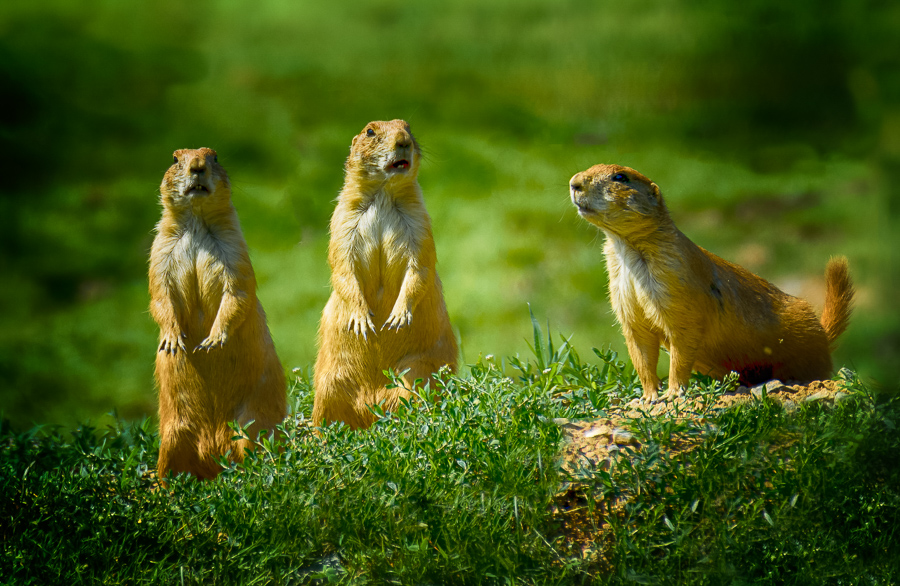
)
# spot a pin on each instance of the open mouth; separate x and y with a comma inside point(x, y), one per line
point(402, 164)
point(197, 189)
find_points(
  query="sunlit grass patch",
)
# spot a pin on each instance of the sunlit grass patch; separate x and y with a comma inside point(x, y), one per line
point(466, 485)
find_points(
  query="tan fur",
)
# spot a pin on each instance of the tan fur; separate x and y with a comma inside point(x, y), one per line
point(712, 315)
point(216, 361)
point(386, 309)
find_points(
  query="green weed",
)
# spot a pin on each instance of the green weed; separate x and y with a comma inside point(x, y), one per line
point(465, 490)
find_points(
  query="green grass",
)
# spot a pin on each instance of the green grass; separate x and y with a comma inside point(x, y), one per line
point(468, 490)
point(767, 497)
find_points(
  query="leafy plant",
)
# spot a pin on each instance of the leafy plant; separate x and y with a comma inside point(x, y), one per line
point(465, 489)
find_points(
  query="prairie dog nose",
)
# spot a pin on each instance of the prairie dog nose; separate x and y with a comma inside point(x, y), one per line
point(577, 183)
point(403, 140)
point(198, 165)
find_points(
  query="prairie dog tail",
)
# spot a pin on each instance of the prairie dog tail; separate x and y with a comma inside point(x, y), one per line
point(838, 298)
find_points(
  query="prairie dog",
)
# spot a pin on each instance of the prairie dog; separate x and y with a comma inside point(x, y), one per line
point(712, 315)
point(216, 362)
point(386, 309)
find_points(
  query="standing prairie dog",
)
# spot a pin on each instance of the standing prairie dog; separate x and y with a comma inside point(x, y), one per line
point(216, 361)
point(386, 309)
point(712, 315)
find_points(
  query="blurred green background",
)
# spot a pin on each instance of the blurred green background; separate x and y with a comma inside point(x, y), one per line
point(772, 127)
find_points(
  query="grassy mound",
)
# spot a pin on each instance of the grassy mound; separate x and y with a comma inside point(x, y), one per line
point(472, 489)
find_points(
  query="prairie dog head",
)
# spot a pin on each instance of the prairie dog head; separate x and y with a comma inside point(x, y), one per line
point(384, 151)
point(618, 199)
point(195, 179)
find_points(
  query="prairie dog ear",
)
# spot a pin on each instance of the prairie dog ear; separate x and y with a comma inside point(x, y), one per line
point(646, 201)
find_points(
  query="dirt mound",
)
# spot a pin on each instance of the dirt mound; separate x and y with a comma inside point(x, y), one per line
point(597, 443)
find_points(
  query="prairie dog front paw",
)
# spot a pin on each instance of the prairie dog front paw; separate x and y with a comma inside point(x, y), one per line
point(171, 342)
point(361, 324)
point(213, 341)
point(398, 319)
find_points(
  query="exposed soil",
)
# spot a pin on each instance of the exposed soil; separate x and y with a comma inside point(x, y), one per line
point(597, 445)
point(600, 441)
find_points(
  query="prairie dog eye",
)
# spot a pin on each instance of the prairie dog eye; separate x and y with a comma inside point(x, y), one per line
point(175, 159)
point(215, 158)
point(370, 132)
point(620, 178)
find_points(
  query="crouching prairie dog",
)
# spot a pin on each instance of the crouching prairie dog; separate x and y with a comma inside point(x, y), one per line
point(713, 316)
point(386, 309)
point(216, 362)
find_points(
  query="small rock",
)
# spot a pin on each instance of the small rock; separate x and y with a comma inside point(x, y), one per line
point(742, 390)
point(759, 392)
point(773, 386)
point(330, 564)
point(604, 464)
point(595, 431)
point(560, 421)
point(622, 437)
point(658, 409)
point(789, 406)
point(818, 396)
point(846, 374)
point(840, 397)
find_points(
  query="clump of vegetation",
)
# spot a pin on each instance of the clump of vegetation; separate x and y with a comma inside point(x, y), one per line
point(467, 490)
point(755, 494)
